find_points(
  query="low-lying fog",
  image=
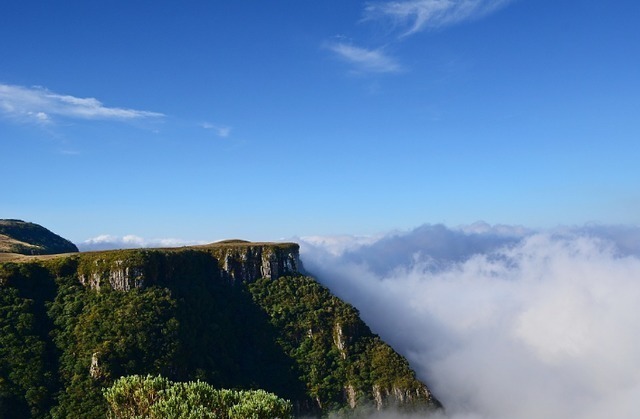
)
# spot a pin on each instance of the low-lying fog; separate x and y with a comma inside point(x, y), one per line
point(501, 322)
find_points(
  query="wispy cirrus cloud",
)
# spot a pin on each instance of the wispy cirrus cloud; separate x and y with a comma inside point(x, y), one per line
point(222, 131)
point(416, 15)
point(410, 17)
point(365, 60)
point(39, 105)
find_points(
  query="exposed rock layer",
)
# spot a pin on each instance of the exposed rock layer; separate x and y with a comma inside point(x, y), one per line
point(238, 261)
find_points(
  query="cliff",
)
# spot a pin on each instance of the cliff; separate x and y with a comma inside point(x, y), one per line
point(234, 314)
point(236, 260)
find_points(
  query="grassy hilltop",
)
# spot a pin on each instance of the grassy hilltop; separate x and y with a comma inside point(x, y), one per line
point(20, 237)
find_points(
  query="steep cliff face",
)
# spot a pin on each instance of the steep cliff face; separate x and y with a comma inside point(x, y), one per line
point(246, 262)
point(124, 270)
point(234, 314)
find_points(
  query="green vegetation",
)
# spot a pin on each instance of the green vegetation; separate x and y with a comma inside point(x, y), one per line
point(23, 377)
point(158, 398)
point(103, 336)
point(27, 359)
point(335, 351)
point(71, 326)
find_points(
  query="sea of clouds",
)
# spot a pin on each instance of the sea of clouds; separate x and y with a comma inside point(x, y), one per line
point(501, 322)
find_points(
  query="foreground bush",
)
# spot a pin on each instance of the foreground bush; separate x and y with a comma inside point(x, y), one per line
point(137, 397)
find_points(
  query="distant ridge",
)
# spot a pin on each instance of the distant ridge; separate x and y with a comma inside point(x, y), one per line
point(25, 238)
point(233, 241)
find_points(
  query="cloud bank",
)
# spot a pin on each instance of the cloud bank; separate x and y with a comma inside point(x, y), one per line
point(502, 322)
point(39, 105)
point(109, 242)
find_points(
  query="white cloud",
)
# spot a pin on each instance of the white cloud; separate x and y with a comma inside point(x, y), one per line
point(365, 60)
point(416, 15)
point(337, 245)
point(220, 130)
point(38, 104)
point(541, 324)
point(41, 116)
point(130, 241)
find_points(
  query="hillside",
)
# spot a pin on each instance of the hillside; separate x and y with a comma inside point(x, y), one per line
point(234, 314)
point(20, 237)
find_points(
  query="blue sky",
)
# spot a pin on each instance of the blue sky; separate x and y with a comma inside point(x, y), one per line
point(204, 120)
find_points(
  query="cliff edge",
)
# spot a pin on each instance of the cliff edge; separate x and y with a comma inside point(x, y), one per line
point(123, 270)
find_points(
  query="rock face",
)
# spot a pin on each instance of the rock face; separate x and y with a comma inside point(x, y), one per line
point(239, 261)
point(397, 396)
point(247, 262)
point(17, 236)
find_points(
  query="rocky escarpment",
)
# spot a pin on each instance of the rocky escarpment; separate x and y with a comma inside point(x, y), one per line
point(17, 236)
point(241, 261)
point(246, 261)
point(234, 314)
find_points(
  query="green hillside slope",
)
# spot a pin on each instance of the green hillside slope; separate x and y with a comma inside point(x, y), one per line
point(17, 236)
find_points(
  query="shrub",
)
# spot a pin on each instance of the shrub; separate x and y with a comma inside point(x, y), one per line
point(136, 397)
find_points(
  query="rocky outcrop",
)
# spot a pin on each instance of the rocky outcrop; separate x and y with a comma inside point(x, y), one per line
point(119, 277)
point(247, 262)
point(350, 396)
point(397, 396)
point(339, 340)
